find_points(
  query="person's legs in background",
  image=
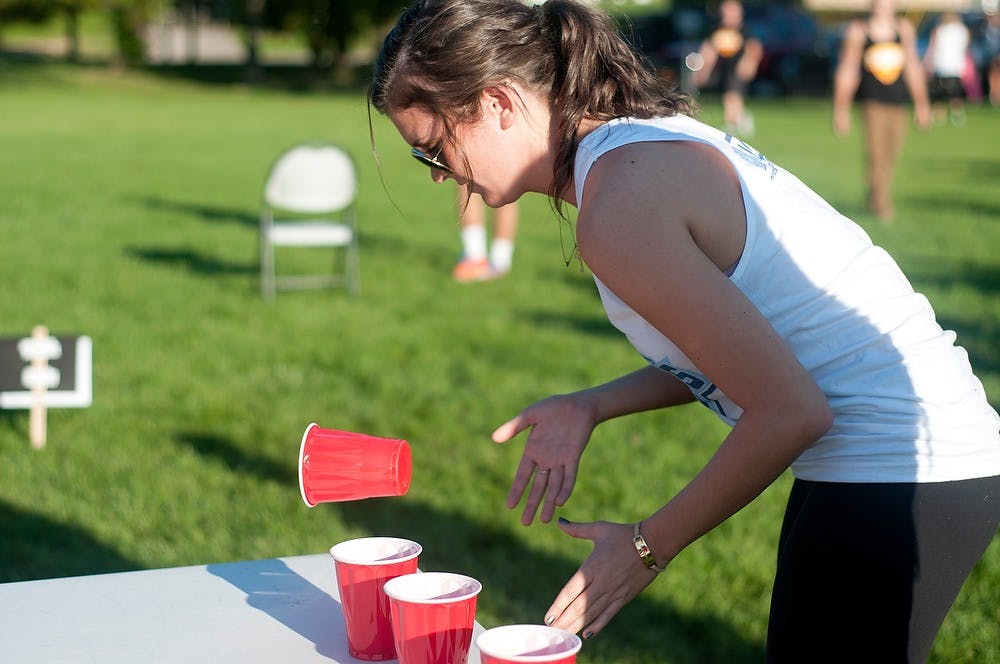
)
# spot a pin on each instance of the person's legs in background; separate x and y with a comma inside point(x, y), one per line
point(480, 259)
point(502, 247)
point(732, 111)
point(885, 129)
point(993, 81)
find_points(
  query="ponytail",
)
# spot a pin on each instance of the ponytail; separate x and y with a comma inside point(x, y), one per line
point(442, 53)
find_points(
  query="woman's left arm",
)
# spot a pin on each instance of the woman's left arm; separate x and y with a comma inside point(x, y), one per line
point(656, 222)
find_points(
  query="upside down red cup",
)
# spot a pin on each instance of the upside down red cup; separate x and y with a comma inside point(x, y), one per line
point(433, 615)
point(363, 566)
point(341, 465)
point(516, 644)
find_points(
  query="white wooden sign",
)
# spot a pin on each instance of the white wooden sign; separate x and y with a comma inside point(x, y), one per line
point(42, 371)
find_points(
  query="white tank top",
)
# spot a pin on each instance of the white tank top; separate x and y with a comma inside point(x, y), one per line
point(907, 407)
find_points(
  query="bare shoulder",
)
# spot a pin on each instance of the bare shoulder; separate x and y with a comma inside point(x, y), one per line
point(856, 32)
point(660, 193)
point(905, 28)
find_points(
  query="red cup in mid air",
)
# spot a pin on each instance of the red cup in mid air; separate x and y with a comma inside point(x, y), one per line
point(338, 466)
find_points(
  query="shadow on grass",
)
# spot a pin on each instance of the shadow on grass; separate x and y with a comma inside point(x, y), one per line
point(24, 66)
point(976, 172)
point(944, 274)
point(36, 547)
point(238, 460)
point(519, 583)
point(295, 78)
point(948, 205)
point(193, 260)
point(211, 213)
point(972, 169)
point(975, 332)
point(592, 325)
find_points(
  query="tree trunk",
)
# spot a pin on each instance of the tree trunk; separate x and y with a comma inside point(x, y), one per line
point(255, 11)
point(73, 33)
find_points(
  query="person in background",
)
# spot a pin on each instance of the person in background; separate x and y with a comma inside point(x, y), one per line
point(480, 262)
point(946, 59)
point(879, 64)
point(741, 289)
point(989, 37)
point(731, 57)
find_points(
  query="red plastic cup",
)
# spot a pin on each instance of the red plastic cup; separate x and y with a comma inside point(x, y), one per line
point(516, 644)
point(363, 566)
point(340, 465)
point(433, 615)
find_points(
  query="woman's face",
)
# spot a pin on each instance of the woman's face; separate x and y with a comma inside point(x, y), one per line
point(883, 7)
point(482, 152)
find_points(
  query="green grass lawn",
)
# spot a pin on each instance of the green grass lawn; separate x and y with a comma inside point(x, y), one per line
point(129, 206)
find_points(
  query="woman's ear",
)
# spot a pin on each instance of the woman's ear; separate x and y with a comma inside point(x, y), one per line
point(498, 101)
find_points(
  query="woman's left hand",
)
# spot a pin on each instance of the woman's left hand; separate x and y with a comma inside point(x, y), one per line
point(610, 577)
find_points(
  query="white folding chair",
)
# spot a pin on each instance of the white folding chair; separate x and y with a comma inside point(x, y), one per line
point(309, 201)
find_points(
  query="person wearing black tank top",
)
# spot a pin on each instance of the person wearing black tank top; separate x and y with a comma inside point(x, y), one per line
point(879, 67)
point(730, 57)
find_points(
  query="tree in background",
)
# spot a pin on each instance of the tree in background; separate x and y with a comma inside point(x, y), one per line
point(329, 28)
point(128, 22)
point(71, 10)
point(333, 24)
point(24, 11)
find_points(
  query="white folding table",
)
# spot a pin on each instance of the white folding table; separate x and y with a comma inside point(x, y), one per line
point(274, 610)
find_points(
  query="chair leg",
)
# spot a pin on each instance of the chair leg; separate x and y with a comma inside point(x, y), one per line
point(267, 273)
point(353, 270)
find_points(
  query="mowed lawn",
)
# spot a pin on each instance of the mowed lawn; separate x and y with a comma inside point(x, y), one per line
point(128, 209)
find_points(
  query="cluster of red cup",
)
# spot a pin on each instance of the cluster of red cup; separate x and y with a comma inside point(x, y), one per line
point(391, 609)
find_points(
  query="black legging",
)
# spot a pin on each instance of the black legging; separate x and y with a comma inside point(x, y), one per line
point(867, 572)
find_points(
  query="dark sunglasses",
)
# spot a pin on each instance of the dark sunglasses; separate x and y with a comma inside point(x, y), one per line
point(429, 161)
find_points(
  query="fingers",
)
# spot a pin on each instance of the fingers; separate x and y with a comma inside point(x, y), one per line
point(521, 477)
point(566, 612)
point(545, 485)
point(608, 579)
point(568, 482)
point(601, 620)
point(552, 489)
point(510, 428)
point(582, 607)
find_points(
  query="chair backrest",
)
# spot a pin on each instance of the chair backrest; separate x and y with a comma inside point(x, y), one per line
point(310, 179)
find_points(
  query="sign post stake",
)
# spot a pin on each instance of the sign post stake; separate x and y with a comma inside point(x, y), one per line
point(37, 423)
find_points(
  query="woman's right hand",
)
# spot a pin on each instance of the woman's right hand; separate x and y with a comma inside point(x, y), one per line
point(560, 430)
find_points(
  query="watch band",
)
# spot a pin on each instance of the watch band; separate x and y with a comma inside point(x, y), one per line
point(645, 554)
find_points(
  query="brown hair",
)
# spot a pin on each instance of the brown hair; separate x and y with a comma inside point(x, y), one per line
point(442, 53)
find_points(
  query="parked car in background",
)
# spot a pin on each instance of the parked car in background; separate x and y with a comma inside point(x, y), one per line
point(796, 52)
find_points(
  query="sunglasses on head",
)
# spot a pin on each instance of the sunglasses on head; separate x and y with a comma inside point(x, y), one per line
point(429, 161)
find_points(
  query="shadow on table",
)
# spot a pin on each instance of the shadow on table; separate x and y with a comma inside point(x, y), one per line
point(277, 590)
